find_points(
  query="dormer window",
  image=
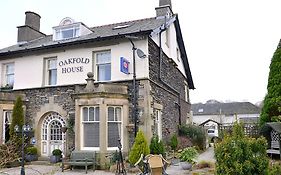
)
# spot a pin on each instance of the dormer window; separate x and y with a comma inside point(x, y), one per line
point(69, 29)
point(67, 33)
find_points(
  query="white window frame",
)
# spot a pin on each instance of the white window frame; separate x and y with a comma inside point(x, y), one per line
point(96, 65)
point(186, 92)
point(178, 54)
point(8, 74)
point(121, 127)
point(4, 120)
point(82, 127)
point(76, 32)
point(158, 122)
point(167, 35)
point(47, 70)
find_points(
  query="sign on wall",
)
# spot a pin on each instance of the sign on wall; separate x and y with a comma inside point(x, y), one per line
point(72, 65)
point(124, 65)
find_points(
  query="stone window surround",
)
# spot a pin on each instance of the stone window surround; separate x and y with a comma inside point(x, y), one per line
point(103, 104)
point(158, 110)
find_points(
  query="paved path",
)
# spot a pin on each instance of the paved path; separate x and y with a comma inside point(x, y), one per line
point(208, 155)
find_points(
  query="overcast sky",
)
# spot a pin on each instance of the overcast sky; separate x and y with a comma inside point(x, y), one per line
point(229, 43)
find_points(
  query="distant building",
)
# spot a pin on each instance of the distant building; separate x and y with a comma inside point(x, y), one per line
point(49, 72)
point(224, 113)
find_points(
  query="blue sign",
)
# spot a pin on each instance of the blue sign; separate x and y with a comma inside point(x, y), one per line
point(33, 141)
point(124, 65)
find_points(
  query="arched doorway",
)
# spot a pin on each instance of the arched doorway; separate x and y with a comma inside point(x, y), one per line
point(52, 136)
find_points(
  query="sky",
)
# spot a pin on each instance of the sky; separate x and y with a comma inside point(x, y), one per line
point(229, 43)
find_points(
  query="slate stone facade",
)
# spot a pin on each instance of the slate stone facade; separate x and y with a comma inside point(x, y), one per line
point(163, 94)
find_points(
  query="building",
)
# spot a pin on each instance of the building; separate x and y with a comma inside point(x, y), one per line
point(137, 74)
point(213, 112)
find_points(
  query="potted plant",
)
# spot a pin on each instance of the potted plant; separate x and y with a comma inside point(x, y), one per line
point(187, 157)
point(31, 154)
point(56, 156)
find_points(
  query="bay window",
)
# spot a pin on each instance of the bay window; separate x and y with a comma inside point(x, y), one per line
point(114, 126)
point(91, 127)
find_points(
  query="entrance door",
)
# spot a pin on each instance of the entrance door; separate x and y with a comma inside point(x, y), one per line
point(52, 135)
point(55, 136)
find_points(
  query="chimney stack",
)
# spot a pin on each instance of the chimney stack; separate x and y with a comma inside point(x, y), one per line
point(165, 7)
point(31, 29)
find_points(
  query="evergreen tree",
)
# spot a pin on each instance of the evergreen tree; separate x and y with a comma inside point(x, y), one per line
point(156, 146)
point(17, 116)
point(140, 147)
point(271, 110)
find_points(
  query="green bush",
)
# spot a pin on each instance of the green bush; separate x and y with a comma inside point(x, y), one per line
point(174, 142)
point(188, 154)
point(56, 152)
point(275, 169)
point(195, 133)
point(31, 150)
point(238, 154)
point(140, 146)
point(156, 146)
point(17, 117)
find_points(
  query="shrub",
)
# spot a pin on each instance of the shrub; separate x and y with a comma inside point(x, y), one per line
point(17, 116)
point(275, 169)
point(174, 142)
point(188, 154)
point(31, 150)
point(140, 146)
point(195, 133)
point(56, 152)
point(156, 146)
point(238, 154)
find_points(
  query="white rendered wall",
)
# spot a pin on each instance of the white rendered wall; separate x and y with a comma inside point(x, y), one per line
point(29, 70)
point(170, 49)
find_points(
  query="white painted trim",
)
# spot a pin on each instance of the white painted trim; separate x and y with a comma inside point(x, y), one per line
point(121, 128)
point(82, 128)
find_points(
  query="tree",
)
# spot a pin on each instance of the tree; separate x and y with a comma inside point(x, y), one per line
point(157, 146)
point(271, 110)
point(140, 147)
point(17, 116)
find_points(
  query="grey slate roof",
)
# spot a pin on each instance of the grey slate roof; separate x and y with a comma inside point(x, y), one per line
point(136, 26)
point(224, 108)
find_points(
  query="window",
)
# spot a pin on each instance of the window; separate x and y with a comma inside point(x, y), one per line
point(51, 71)
point(90, 127)
point(103, 66)
point(67, 33)
point(186, 93)
point(158, 123)
point(167, 36)
point(6, 125)
point(114, 125)
point(178, 54)
point(9, 70)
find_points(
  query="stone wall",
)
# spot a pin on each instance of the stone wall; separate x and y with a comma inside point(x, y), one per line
point(163, 94)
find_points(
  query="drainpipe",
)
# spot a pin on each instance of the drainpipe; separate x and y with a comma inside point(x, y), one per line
point(134, 86)
point(160, 73)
